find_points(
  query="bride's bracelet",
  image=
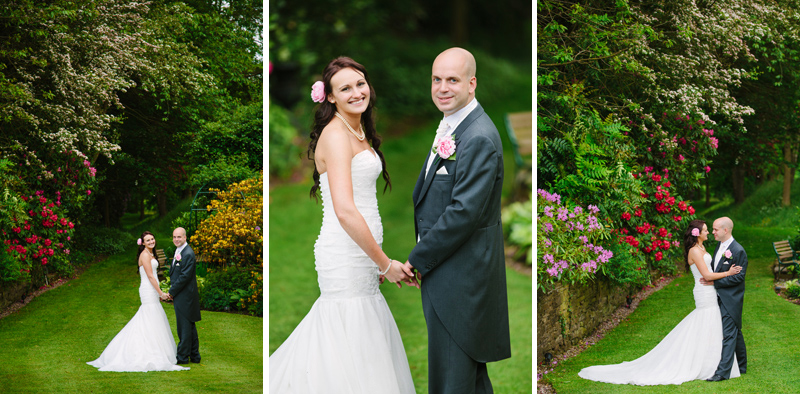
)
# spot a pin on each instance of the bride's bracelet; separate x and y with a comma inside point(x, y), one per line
point(387, 267)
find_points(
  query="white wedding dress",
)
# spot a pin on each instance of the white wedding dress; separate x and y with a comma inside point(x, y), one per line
point(146, 342)
point(348, 343)
point(690, 351)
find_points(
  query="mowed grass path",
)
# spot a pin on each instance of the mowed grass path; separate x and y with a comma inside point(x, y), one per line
point(769, 326)
point(44, 346)
point(294, 222)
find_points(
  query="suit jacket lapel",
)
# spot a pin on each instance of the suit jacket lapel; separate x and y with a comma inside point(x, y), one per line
point(714, 264)
point(478, 111)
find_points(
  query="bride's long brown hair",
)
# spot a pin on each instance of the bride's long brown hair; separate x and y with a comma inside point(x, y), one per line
point(689, 240)
point(325, 112)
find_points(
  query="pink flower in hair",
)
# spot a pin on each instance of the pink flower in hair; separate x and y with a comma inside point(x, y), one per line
point(318, 92)
point(695, 232)
point(139, 241)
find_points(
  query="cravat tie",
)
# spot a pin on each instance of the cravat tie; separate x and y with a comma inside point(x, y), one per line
point(440, 132)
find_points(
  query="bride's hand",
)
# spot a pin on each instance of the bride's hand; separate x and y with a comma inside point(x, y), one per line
point(735, 269)
point(397, 273)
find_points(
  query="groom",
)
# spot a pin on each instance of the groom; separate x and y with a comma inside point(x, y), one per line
point(186, 298)
point(730, 295)
point(459, 251)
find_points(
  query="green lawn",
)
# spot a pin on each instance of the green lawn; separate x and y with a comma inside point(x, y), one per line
point(769, 322)
point(294, 222)
point(44, 346)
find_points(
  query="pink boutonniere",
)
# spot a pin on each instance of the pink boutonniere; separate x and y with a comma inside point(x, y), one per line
point(445, 147)
point(177, 257)
point(728, 254)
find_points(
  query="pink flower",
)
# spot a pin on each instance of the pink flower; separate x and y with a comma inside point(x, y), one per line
point(695, 232)
point(88, 192)
point(708, 169)
point(446, 148)
point(681, 158)
point(714, 142)
point(318, 92)
point(138, 241)
point(728, 254)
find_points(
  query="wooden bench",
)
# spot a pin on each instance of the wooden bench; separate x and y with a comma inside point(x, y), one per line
point(519, 127)
point(162, 259)
point(785, 258)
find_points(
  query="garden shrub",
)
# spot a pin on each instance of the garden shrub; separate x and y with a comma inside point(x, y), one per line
point(792, 289)
point(568, 241)
point(223, 289)
point(518, 228)
point(232, 235)
point(42, 202)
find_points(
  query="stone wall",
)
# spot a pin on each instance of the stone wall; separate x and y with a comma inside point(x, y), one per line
point(567, 314)
point(11, 293)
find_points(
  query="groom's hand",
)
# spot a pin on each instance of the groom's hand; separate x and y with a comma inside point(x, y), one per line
point(413, 275)
point(704, 282)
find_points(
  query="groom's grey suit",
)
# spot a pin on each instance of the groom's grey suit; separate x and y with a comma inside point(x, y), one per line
point(186, 299)
point(460, 256)
point(730, 294)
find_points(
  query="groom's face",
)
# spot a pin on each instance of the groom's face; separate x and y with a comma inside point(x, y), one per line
point(178, 237)
point(451, 86)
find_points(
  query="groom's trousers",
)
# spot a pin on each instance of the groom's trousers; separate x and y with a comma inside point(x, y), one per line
point(732, 343)
point(450, 370)
point(188, 343)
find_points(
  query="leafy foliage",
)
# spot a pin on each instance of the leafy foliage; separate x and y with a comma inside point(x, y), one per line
point(518, 228)
point(232, 235)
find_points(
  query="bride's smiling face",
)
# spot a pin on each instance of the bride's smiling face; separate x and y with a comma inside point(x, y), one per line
point(703, 234)
point(149, 241)
point(349, 91)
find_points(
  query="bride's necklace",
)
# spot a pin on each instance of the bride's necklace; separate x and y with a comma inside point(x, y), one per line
point(360, 137)
point(150, 253)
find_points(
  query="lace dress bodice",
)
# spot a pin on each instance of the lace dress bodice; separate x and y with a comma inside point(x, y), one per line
point(705, 296)
point(147, 293)
point(343, 269)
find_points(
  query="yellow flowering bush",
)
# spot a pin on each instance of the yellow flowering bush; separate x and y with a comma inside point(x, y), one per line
point(253, 303)
point(231, 235)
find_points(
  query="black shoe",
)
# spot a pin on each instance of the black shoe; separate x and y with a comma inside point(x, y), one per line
point(715, 378)
point(196, 361)
point(182, 362)
point(742, 371)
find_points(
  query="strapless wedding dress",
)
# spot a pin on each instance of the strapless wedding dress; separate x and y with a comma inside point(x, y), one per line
point(146, 342)
point(690, 351)
point(348, 343)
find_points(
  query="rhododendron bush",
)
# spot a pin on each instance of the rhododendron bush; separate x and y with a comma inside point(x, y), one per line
point(44, 201)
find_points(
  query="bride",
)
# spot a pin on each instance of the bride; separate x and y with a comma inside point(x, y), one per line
point(692, 349)
point(146, 342)
point(348, 342)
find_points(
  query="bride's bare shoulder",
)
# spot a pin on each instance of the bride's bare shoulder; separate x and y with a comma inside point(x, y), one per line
point(695, 253)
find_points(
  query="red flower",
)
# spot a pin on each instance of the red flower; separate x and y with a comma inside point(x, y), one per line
point(638, 213)
point(662, 232)
point(671, 200)
point(677, 218)
point(667, 184)
point(682, 205)
point(659, 256)
point(691, 210)
point(626, 216)
point(656, 178)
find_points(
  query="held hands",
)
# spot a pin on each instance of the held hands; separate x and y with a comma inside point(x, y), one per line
point(166, 297)
point(398, 273)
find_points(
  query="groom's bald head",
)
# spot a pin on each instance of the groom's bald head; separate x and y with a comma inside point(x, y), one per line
point(723, 228)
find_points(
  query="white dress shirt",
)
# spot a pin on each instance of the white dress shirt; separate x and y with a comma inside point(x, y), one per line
point(722, 248)
point(453, 121)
